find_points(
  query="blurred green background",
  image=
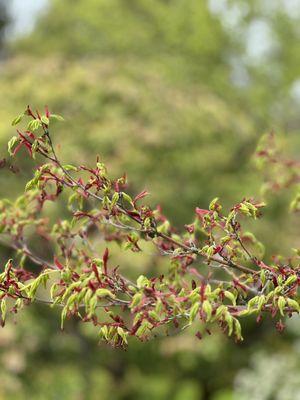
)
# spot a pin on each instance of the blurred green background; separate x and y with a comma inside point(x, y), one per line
point(176, 93)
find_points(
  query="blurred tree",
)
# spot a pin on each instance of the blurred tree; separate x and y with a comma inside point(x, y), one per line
point(3, 21)
point(166, 91)
point(266, 57)
point(173, 31)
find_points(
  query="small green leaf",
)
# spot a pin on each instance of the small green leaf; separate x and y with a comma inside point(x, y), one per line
point(220, 311)
point(63, 317)
point(261, 302)
point(246, 312)
point(230, 296)
point(70, 167)
point(252, 302)
point(291, 279)
point(263, 277)
point(114, 199)
point(127, 197)
point(238, 330)
point(193, 311)
point(142, 281)
point(153, 314)
point(104, 332)
point(45, 120)
point(122, 334)
point(3, 309)
point(294, 304)
point(207, 308)
point(105, 293)
point(34, 125)
point(57, 117)
point(52, 290)
point(229, 320)
point(136, 300)
point(213, 203)
point(17, 119)
point(30, 185)
point(11, 144)
point(281, 303)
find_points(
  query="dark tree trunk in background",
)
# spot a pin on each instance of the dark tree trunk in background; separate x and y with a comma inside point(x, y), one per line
point(4, 20)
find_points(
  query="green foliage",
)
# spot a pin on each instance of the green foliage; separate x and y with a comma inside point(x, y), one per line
point(135, 89)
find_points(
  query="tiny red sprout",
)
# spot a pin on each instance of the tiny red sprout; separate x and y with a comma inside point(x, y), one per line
point(105, 259)
point(280, 326)
point(38, 114)
point(140, 196)
point(58, 264)
point(201, 212)
point(96, 272)
point(190, 228)
point(29, 112)
point(47, 112)
point(218, 249)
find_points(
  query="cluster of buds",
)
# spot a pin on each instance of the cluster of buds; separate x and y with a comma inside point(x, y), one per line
point(216, 274)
